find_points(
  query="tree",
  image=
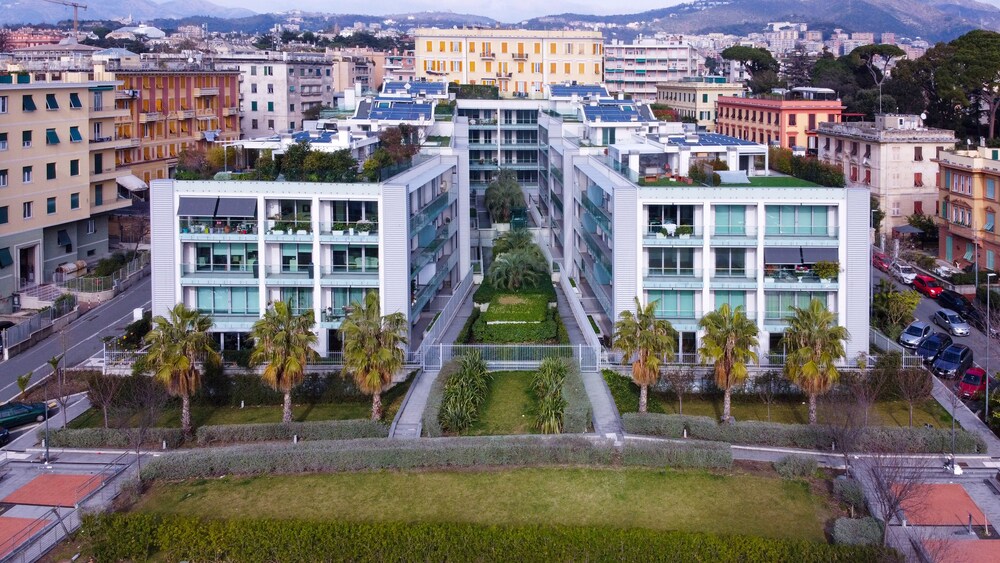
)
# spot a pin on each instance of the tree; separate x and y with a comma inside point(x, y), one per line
point(817, 344)
point(218, 158)
point(877, 58)
point(977, 58)
point(894, 483)
point(512, 240)
point(681, 382)
point(892, 309)
point(5, 43)
point(339, 166)
point(379, 160)
point(877, 214)
point(57, 374)
point(769, 385)
point(292, 163)
point(177, 343)
point(288, 36)
point(759, 63)
point(646, 342)
point(503, 196)
point(283, 342)
point(139, 408)
point(102, 391)
point(399, 142)
point(22, 383)
point(926, 224)
point(797, 70)
point(914, 385)
point(373, 348)
point(729, 341)
point(517, 269)
point(867, 386)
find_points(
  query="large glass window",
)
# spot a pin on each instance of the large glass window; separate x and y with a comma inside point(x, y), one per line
point(671, 261)
point(808, 220)
point(671, 214)
point(779, 303)
point(299, 299)
point(730, 219)
point(229, 300)
point(225, 257)
point(733, 298)
point(355, 259)
point(730, 262)
point(296, 257)
point(673, 304)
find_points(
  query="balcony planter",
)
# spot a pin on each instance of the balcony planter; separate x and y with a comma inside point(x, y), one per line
point(364, 228)
point(338, 229)
point(827, 270)
point(685, 231)
point(662, 233)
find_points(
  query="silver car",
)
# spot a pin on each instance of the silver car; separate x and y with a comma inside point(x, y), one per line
point(915, 334)
point(952, 322)
point(902, 272)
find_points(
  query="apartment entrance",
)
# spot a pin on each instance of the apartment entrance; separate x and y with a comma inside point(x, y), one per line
point(27, 265)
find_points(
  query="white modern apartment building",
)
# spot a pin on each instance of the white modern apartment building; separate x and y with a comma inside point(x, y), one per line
point(636, 68)
point(623, 228)
point(230, 248)
point(893, 157)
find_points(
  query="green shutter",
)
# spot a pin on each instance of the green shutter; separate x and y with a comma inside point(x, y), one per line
point(74, 134)
point(27, 103)
point(51, 102)
point(74, 101)
point(51, 137)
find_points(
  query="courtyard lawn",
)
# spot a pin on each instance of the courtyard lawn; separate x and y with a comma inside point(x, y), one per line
point(509, 408)
point(205, 415)
point(695, 501)
point(784, 410)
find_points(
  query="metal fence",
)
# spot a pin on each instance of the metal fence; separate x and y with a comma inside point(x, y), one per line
point(118, 360)
point(105, 283)
point(886, 344)
point(512, 356)
point(444, 320)
point(21, 332)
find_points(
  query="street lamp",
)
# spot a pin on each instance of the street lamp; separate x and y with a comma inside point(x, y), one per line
point(989, 335)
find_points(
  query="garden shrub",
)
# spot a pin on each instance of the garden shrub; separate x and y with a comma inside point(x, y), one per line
point(849, 492)
point(431, 425)
point(486, 292)
point(626, 393)
point(518, 308)
point(857, 531)
point(140, 536)
point(577, 417)
point(249, 389)
point(691, 454)
point(118, 438)
point(806, 436)
point(465, 335)
point(548, 382)
point(551, 330)
point(464, 392)
point(322, 430)
point(377, 454)
point(795, 466)
point(136, 331)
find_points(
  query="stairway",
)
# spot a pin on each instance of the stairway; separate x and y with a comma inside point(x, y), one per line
point(39, 296)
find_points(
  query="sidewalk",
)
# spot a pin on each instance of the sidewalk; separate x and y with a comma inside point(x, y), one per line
point(964, 416)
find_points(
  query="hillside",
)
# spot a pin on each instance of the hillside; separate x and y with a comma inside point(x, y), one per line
point(37, 11)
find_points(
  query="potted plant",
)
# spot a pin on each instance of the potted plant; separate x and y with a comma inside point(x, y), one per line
point(685, 231)
point(364, 226)
point(661, 233)
point(769, 271)
point(827, 270)
point(339, 228)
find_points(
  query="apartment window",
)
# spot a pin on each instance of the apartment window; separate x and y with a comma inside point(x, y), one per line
point(918, 179)
point(253, 70)
point(3, 141)
point(854, 173)
point(796, 220)
point(812, 121)
point(253, 106)
point(270, 88)
point(270, 124)
point(730, 262)
point(74, 135)
point(74, 101)
point(826, 144)
point(918, 207)
point(270, 106)
point(26, 210)
point(253, 88)
point(26, 174)
point(291, 107)
point(26, 139)
point(991, 188)
point(91, 226)
point(3, 178)
point(918, 153)
point(704, 98)
point(792, 141)
point(791, 119)
point(27, 103)
point(990, 222)
point(3, 104)
point(854, 148)
point(50, 205)
point(868, 176)
point(50, 102)
point(51, 137)
point(99, 194)
point(840, 146)
point(74, 200)
point(3, 215)
point(50, 171)
point(253, 123)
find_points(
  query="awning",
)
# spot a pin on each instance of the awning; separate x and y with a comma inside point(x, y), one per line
point(132, 183)
point(62, 238)
point(782, 255)
point(5, 258)
point(51, 102)
point(51, 137)
point(210, 136)
point(197, 207)
point(74, 135)
point(27, 103)
point(813, 255)
point(236, 207)
point(908, 230)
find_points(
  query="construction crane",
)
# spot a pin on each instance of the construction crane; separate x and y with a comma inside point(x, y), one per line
point(76, 6)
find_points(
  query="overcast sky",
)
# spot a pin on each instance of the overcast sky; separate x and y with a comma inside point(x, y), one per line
point(502, 10)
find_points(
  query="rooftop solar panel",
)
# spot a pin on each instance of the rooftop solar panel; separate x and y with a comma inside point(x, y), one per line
point(582, 90)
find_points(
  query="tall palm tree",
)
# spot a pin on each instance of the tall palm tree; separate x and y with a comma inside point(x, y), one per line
point(176, 344)
point(729, 340)
point(645, 341)
point(512, 240)
point(283, 341)
point(373, 348)
point(515, 269)
point(815, 342)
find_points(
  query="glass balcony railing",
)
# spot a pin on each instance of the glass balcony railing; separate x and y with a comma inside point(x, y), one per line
point(672, 231)
point(674, 273)
point(734, 231)
point(356, 267)
point(431, 211)
point(218, 226)
point(220, 270)
point(688, 315)
point(349, 228)
point(794, 276)
point(296, 271)
point(816, 231)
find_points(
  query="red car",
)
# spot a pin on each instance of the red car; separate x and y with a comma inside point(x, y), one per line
point(927, 285)
point(880, 261)
point(973, 383)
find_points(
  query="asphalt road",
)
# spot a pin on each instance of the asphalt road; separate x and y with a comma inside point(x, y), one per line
point(79, 341)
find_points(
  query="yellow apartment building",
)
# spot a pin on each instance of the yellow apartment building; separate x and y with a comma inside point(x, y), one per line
point(968, 203)
point(519, 62)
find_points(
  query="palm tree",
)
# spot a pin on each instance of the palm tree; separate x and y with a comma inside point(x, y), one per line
point(729, 340)
point(503, 196)
point(176, 345)
point(512, 240)
point(373, 348)
point(283, 341)
point(645, 341)
point(519, 268)
point(815, 343)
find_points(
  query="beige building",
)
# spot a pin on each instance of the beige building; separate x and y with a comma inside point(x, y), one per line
point(519, 62)
point(967, 209)
point(58, 176)
point(636, 68)
point(893, 157)
point(695, 97)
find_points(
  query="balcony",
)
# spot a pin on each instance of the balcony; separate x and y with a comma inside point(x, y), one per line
point(800, 278)
point(183, 114)
point(289, 230)
point(109, 110)
point(290, 274)
point(676, 277)
point(520, 56)
point(523, 125)
point(802, 236)
point(101, 140)
point(734, 278)
point(209, 274)
point(673, 235)
point(234, 321)
point(680, 316)
point(200, 92)
point(148, 116)
point(488, 56)
point(431, 211)
point(222, 228)
point(519, 164)
point(355, 232)
point(357, 274)
point(734, 235)
point(104, 175)
point(230, 111)
point(482, 123)
point(504, 75)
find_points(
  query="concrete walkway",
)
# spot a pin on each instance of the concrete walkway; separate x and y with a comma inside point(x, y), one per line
point(605, 414)
point(965, 417)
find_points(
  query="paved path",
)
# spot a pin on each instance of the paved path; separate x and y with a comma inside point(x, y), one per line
point(964, 416)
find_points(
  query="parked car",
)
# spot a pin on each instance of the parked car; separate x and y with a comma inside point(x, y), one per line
point(933, 345)
point(953, 300)
point(914, 334)
point(927, 285)
point(903, 272)
point(953, 362)
point(4, 437)
point(952, 322)
point(880, 261)
point(973, 383)
point(16, 414)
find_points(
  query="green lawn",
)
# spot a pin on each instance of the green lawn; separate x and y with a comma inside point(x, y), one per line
point(203, 415)
point(750, 407)
point(509, 407)
point(654, 499)
point(776, 182)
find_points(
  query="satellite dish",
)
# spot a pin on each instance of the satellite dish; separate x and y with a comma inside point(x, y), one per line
point(190, 60)
point(407, 86)
point(923, 116)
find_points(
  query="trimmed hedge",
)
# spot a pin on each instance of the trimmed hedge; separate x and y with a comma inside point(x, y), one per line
point(487, 292)
point(795, 466)
point(250, 390)
point(578, 413)
point(137, 536)
point(814, 437)
point(677, 454)
point(322, 430)
point(377, 454)
point(857, 531)
point(465, 335)
point(118, 438)
point(548, 331)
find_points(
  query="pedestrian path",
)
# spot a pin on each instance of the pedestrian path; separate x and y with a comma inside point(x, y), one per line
point(409, 422)
point(965, 417)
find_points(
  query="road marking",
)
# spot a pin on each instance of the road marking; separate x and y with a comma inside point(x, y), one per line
point(81, 343)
